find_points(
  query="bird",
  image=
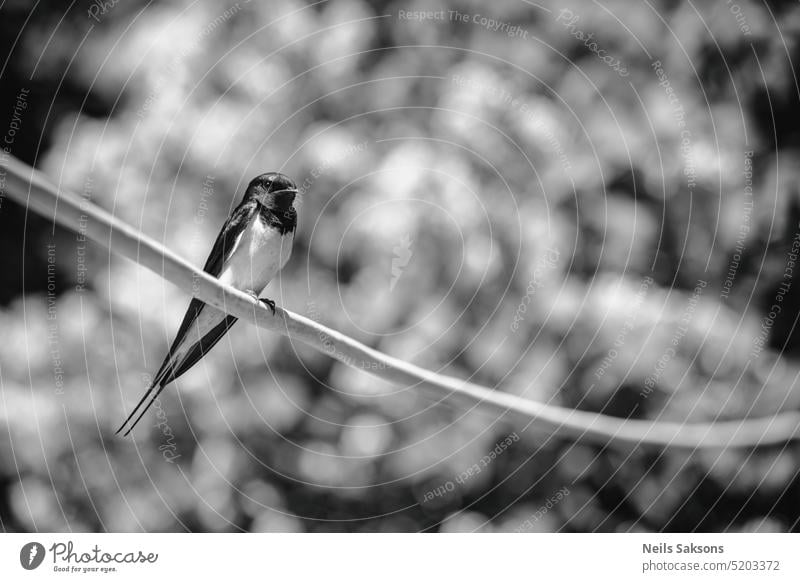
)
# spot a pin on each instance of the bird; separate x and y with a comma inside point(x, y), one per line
point(255, 243)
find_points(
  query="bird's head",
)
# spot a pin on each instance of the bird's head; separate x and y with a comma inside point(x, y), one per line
point(272, 190)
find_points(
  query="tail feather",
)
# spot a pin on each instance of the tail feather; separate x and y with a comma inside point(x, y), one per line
point(130, 421)
point(172, 368)
point(202, 347)
point(158, 382)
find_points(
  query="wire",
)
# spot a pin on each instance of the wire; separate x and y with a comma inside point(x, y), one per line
point(32, 189)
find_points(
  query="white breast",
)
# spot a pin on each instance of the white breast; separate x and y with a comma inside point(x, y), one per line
point(258, 255)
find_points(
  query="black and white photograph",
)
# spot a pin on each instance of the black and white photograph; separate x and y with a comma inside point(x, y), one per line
point(400, 267)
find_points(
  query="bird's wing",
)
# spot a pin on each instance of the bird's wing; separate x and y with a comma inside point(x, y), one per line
point(172, 367)
point(229, 237)
point(226, 243)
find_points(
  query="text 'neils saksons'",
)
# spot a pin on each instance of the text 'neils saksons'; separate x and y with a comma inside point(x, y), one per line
point(664, 548)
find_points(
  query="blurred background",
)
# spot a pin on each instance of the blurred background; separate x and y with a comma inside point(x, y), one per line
point(589, 204)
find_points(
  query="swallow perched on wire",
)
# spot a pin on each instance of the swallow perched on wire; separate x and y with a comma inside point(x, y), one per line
point(253, 245)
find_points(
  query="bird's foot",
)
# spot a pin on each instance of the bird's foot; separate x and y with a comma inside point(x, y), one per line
point(268, 302)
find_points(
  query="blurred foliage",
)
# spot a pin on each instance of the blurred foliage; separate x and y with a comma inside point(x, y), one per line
point(449, 172)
